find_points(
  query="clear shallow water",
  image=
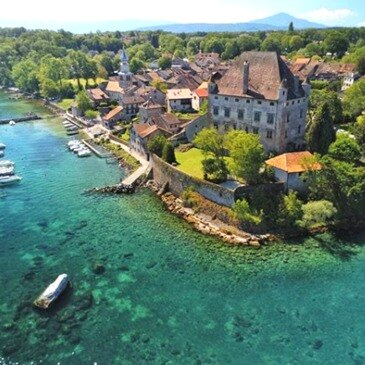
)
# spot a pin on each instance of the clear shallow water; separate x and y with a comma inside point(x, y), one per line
point(168, 294)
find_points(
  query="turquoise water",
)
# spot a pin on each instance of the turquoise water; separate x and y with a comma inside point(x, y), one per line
point(167, 295)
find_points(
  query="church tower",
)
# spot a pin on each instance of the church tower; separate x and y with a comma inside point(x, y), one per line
point(125, 76)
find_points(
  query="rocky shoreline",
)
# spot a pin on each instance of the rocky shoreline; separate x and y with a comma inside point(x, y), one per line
point(206, 224)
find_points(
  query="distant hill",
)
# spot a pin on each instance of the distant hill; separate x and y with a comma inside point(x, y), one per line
point(276, 22)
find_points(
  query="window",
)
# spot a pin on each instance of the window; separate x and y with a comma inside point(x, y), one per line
point(227, 112)
point(240, 114)
point(236, 100)
point(216, 97)
point(270, 118)
point(298, 101)
point(255, 130)
point(215, 110)
point(292, 103)
point(288, 118)
point(286, 134)
point(259, 102)
point(299, 129)
point(257, 116)
point(226, 98)
point(301, 113)
point(269, 134)
point(247, 101)
point(246, 129)
point(272, 103)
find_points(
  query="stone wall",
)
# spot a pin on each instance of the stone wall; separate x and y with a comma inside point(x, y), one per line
point(245, 191)
point(178, 181)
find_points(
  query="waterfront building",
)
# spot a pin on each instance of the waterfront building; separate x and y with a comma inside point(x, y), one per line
point(259, 94)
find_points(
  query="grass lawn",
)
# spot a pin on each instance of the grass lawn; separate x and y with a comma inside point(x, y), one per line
point(190, 162)
point(65, 103)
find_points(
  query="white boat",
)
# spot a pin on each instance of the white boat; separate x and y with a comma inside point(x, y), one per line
point(52, 292)
point(1, 153)
point(72, 133)
point(65, 122)
point(10, 179)
point(85, 152)
point(6, 163)
point(6, 171)
point(2, 146)
point(11, 122)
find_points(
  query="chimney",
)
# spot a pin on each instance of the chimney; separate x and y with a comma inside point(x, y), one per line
point(246, 67)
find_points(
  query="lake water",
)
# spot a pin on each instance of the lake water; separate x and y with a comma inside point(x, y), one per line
point(168, 295)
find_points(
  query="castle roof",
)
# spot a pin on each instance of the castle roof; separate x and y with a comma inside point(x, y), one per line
point(266, 73)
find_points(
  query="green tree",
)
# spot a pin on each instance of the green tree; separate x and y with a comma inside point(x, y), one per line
point(215, 169)
point(210, 141)
point(359, 130)
point(336, 43)
point(290, 210)
point(345, 148)
point(168, 153)
point(83, 101)
point(321, 132)
point(156, 144)
point(25, 75)
point(245, 214)
point(317, 213)
point(135, 65)
point(291, 27)
point(354, 98)
point(164, 62)
point(247, 154)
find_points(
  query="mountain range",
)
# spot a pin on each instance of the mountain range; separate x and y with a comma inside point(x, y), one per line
point(278, 21)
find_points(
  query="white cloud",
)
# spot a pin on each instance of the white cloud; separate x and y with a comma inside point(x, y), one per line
point(326, 15)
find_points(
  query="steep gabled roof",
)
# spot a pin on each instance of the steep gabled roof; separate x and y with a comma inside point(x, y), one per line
point(113, 113)
point(266, 73)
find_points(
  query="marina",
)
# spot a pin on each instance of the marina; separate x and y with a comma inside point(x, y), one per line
point(26, 118)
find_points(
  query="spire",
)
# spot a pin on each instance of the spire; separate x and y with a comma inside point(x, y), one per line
point(123, 55)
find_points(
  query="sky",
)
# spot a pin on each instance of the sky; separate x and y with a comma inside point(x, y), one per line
point(124, 15)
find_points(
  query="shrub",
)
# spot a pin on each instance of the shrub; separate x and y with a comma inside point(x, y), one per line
point(168, 153)
point(317, 213)
point(187, 197)
point(245, 214)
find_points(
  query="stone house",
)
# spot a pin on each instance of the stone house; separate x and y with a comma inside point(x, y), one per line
point(151, 93)
point(199, 96)
point(179, 100)
point(97, 96)
point(131, 105)
point(207, 59)
point(114, 90)
point(109, 120)
point(259, 94)
point(289, 167)
point(349, 79)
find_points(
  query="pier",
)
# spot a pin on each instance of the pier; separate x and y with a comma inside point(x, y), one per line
point(26, 118)
point(96, 149)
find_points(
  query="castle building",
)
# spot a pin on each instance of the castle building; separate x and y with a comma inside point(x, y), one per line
point(259, 94)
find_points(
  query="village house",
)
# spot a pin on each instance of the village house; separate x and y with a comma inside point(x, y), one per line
point(97, 96)
point(110, 119)
point(179, 100)
point(130, 105)
point(148, 109)
point(207, 59)
point(289, 167)
point(199, 96)
point(259, 94)
point(151, 93)
point(349, 79)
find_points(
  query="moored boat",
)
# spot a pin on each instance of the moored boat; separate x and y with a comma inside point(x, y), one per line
point(2, 146)
point(6, 163)
point(6, 171)
point(72, 133)
point(1, 153)
point(9, 179)
point(85, 152)
point(52, 292)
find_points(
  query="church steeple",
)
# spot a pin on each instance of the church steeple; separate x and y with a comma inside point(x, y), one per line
point(124, 64)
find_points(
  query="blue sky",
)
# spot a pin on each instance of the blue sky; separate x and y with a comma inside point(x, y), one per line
point(70, 13)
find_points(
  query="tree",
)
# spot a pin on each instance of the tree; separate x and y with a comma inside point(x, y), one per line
point(164, 62)
point(168, 153)
point(25, 75)
point(159, 85)
point(321, 132)
point(83, 101)
point(354, 98)
point(211, 142)
point(247, 154)
point(336, 43)
point(359, 130)
point(271, 44)
point(156, 144)
point(245, 214)
point(291, 27)
point(345, 148)
point(135, 65)
point(290, 210)
point(317, 214)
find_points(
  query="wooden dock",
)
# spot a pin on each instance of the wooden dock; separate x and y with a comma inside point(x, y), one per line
point(21, 119)
point(98, 153)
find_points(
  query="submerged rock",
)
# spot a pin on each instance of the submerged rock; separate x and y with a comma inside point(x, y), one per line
point(98, 268)
point(317, 344)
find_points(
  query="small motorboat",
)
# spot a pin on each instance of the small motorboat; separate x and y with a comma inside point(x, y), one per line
point(72, 133)
point(9, 179)
point(52, 292)
point(2, 146)
point(6, 163)
point(11, 122)
point(1, 153)
point(85, 152)
point(6, 171)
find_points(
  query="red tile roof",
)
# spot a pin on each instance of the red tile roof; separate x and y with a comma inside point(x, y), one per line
point(202, 93)
point(97, 94)
point(113, 113)
point(292, 162)
point(144, 130)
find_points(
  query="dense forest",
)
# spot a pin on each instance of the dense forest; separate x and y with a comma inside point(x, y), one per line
point(39, 61)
